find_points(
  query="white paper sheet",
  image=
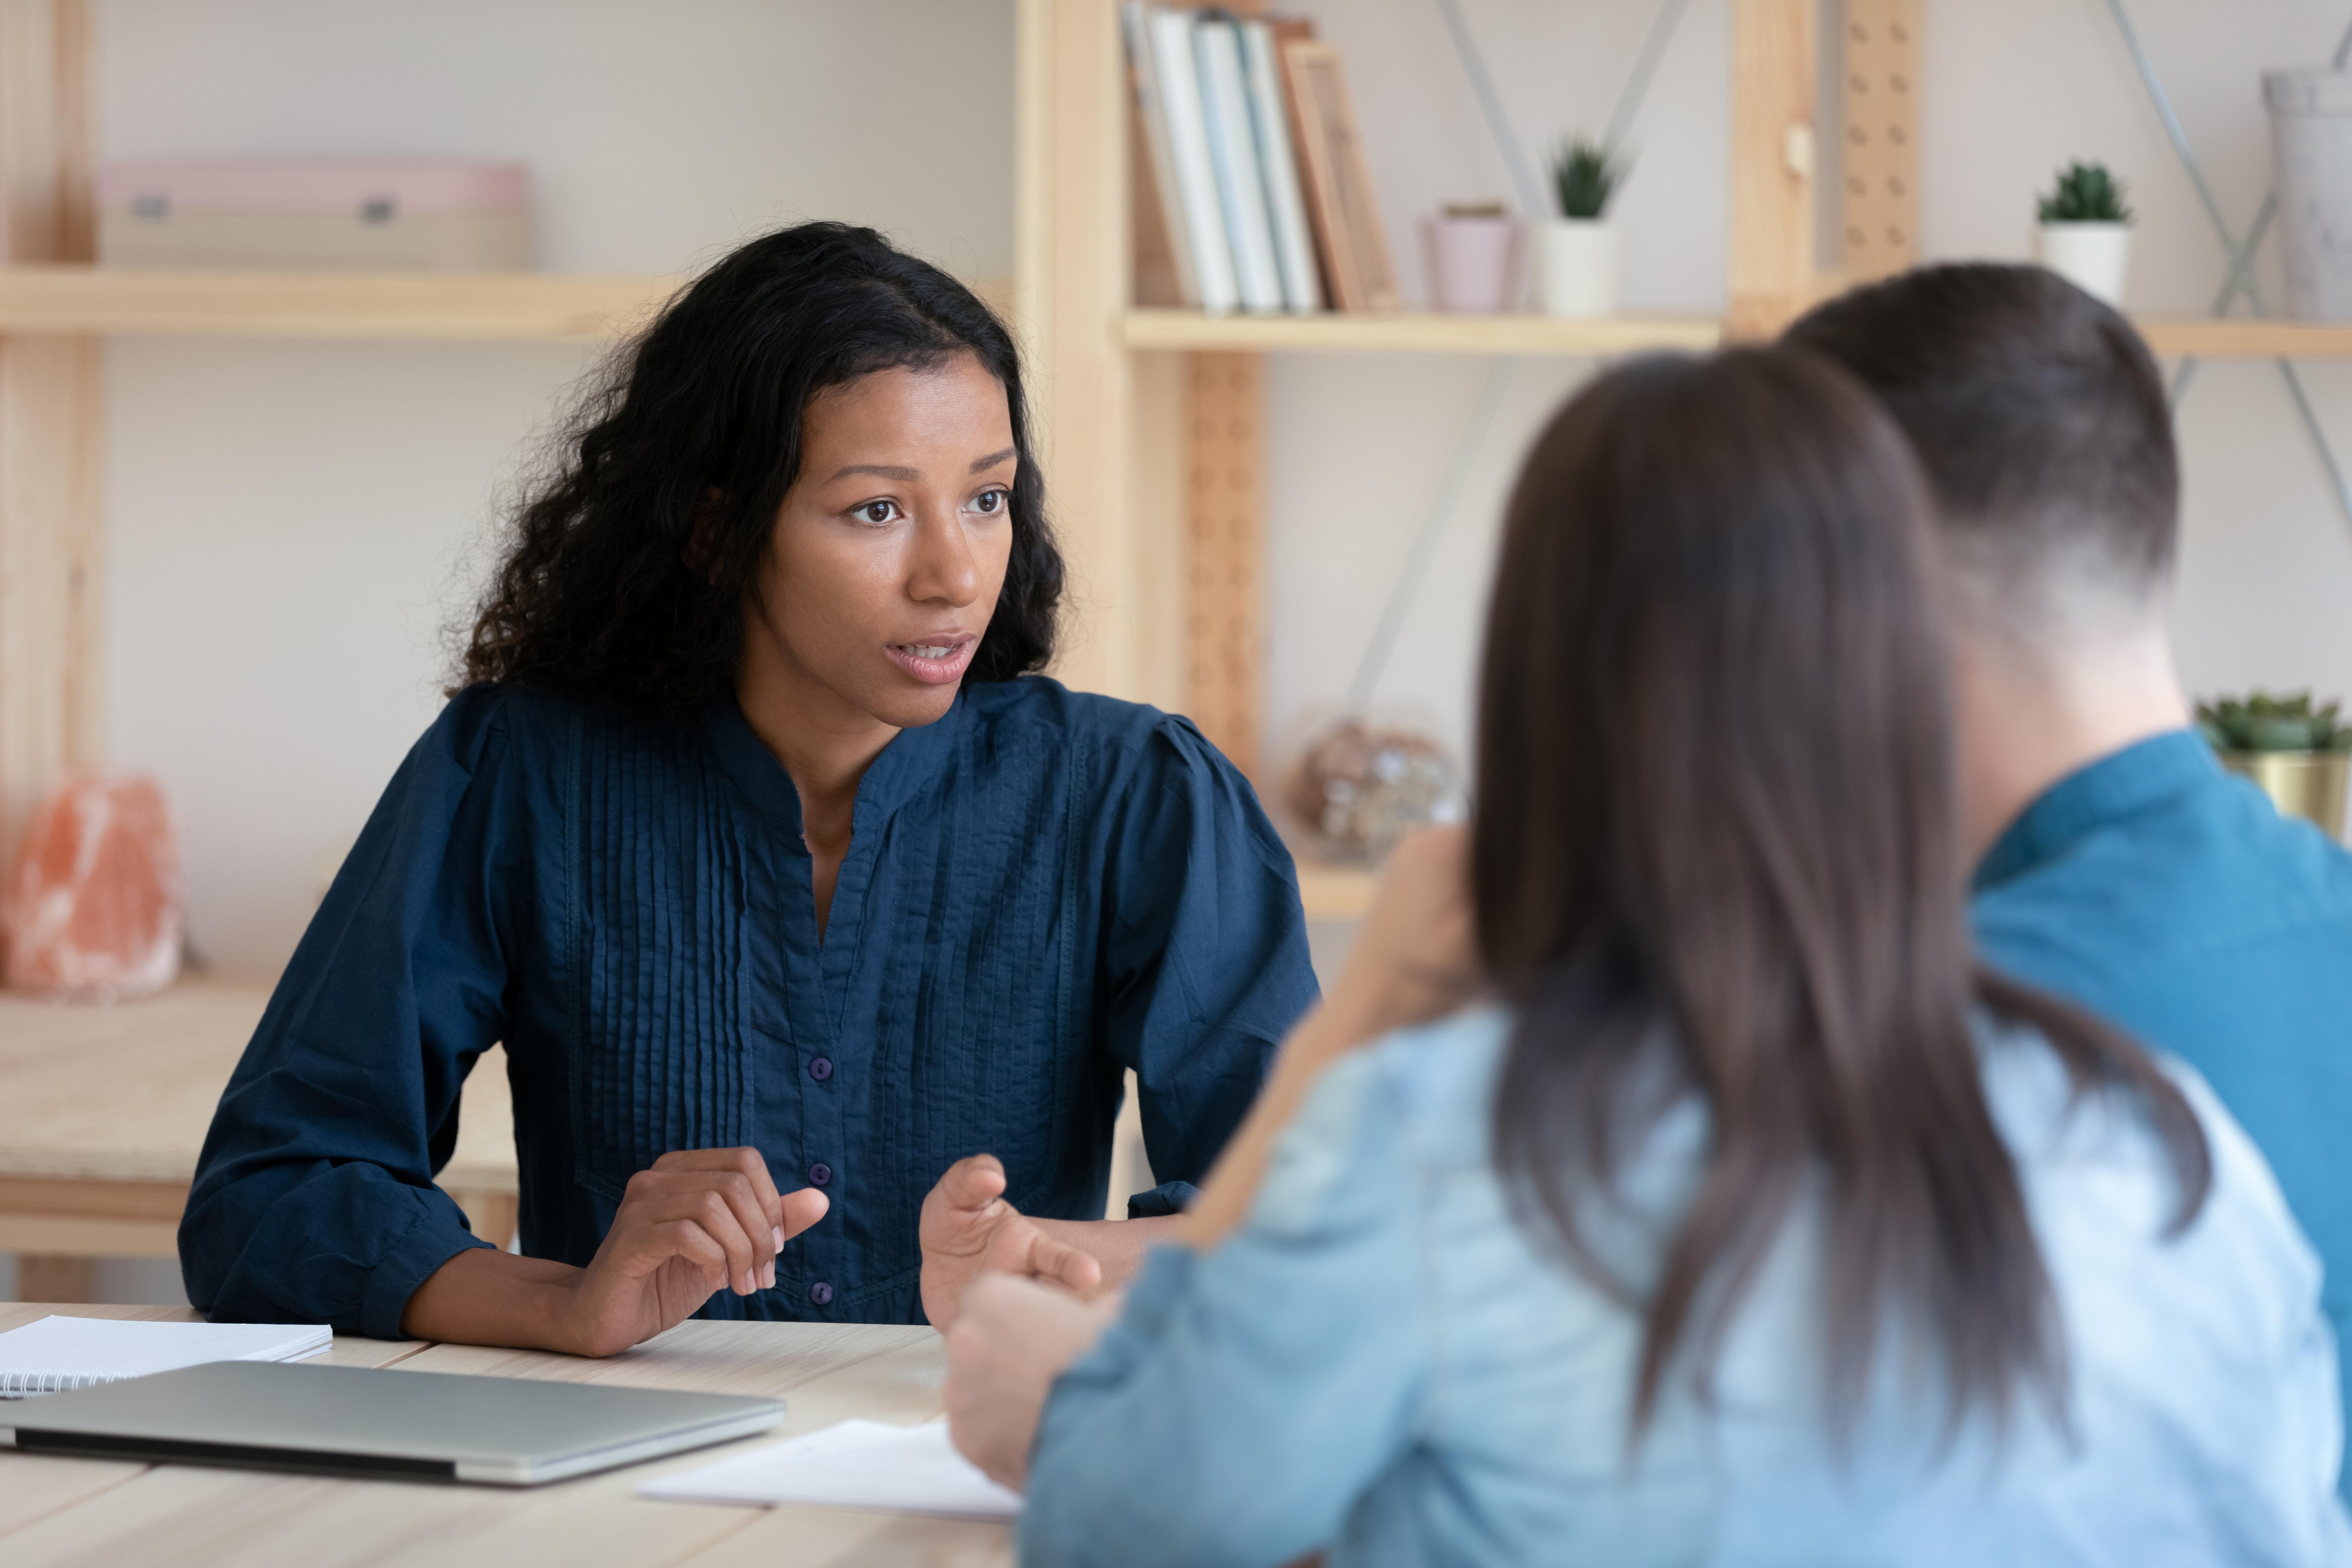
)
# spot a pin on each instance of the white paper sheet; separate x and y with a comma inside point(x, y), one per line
point(57, 1353)
point(858, 1464)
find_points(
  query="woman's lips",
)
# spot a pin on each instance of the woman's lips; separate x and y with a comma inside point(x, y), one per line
point(937, 662)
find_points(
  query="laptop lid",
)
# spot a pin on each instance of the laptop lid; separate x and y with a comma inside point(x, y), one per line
point(358, 1420)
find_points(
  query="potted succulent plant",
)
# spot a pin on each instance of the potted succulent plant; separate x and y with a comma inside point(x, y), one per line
point(2085, 232)
point(2300, 755)
point(1579, 259)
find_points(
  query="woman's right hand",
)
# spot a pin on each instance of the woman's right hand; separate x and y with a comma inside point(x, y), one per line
point(699, 1221)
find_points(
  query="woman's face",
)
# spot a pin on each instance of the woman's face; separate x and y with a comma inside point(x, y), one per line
point(890, 546)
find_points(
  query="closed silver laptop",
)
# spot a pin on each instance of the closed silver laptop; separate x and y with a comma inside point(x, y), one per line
point(354, 1421)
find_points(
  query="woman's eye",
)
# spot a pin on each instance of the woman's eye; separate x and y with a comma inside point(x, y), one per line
point(992, 503)
point(877, 512)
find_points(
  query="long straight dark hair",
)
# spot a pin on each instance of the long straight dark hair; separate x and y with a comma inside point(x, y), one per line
point(1715, 829)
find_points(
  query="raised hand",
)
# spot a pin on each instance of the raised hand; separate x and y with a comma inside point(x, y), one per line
point(967, 1228)
point(699, 1221)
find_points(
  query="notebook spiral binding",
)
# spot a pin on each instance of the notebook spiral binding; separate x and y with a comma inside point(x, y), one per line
point(18, 1384)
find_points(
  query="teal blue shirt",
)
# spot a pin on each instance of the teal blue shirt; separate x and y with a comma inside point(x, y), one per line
point(2161, 892)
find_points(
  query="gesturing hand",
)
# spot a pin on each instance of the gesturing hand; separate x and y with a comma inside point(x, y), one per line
point(698, 1220)
point(967, 1226)
point(1013, 1339)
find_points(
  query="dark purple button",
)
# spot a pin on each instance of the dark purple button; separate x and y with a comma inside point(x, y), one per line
point(821, 1293)
point(821, 1068)
point(820, 1173)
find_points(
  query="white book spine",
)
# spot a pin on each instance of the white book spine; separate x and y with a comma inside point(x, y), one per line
point(1232, 151)
point(1135, 19)
point(24, 1385)
point(1188, 149)
point(1293, 242)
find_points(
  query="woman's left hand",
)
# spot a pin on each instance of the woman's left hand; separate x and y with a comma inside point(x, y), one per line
point(967, 1228)
point(1013, 1338)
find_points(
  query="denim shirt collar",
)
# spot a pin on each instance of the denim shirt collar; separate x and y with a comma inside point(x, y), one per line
point(910, 762)
point(2117, 786)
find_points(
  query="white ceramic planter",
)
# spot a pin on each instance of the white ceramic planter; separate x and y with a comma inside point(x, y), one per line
point(2311, 159)
point(1579, 267)
point(1473, 263)
point(2093, 256)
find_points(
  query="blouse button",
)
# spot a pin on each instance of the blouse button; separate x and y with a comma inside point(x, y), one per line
point(821, 1293)
point(820, 1173)
point(821, 1068)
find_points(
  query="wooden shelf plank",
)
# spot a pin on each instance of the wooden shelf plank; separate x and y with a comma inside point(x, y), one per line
point(2240, 338)
point(1414, 332)
point(454, 306)
point(1332, 892)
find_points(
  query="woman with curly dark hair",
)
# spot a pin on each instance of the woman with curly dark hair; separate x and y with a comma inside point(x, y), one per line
point(793, 893)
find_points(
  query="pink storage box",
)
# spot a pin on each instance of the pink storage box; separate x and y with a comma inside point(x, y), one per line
point(419, 215)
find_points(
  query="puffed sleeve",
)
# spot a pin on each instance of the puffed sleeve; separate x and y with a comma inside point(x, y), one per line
point(1179, 1438)
point(1204, 952)
point(314, 1200)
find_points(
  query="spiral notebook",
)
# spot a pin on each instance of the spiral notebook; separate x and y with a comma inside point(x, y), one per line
point(56, 1353)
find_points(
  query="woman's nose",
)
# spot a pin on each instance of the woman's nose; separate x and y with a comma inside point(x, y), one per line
point(944, 571)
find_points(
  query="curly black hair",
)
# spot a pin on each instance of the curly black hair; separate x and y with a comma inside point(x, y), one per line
point(698, 421)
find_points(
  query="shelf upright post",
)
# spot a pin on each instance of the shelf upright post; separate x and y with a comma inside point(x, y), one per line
point(1879, 202)
point(1772, 62)
point(1071, 282)
point(52, 413)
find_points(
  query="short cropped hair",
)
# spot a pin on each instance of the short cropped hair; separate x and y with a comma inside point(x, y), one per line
point(2039, 415)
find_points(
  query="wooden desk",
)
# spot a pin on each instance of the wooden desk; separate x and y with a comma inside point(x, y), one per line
point(106, 1108)
point(60, 1511)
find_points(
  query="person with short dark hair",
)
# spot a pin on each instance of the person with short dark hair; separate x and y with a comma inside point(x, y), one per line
point(1750, 1223)
point(819, 928)
point(2116, 864)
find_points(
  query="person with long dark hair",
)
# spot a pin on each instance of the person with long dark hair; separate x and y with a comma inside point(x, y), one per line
point(1740, 1217)
point(806, 910)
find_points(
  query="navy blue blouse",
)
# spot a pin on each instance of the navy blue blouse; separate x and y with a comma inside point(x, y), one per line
point(1040, 889)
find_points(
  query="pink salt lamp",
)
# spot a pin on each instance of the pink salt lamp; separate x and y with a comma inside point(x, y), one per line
point(93, 914)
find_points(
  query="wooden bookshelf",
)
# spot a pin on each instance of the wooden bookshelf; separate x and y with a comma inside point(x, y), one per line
point(444, 307)
point(1335, 892)
point(2240, 338)
point(1190, 332)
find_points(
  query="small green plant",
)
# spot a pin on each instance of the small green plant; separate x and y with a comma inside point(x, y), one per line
point(2085, 192)
point(2266, 723)
point(1586, 175)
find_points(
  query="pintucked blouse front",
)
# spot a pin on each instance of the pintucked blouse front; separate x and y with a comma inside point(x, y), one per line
point(1042, 889)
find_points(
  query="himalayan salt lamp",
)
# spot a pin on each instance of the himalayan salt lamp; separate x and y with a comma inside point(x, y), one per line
point(93, 914)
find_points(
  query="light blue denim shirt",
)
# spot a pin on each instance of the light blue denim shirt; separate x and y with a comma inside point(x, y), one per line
point(1379, 1364)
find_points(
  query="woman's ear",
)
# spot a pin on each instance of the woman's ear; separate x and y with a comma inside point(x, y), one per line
point(701, 551)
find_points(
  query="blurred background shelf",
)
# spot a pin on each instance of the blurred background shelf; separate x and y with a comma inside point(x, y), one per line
point(1191, 331)
point(2240, 338)
point(458, 306)
point(1335, 892)
point(1414, 332)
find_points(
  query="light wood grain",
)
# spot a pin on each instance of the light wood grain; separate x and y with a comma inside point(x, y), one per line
point(108, 1108)
point(454, 307)
point(72, 1512)
point(1224, 424)
point(1071, 271)
point(2243, 339)
point(1771, 261)
point(1335, 892)
point(1416, 332)
point(1879, 194)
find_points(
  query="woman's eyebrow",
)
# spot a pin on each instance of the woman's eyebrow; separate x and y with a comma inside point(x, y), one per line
point(880, 470)
point(982, 464)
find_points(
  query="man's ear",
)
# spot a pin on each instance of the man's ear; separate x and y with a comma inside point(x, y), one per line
point(702, 539)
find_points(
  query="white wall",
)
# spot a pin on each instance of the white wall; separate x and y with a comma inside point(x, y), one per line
point(292, 525)
point(2013, 88)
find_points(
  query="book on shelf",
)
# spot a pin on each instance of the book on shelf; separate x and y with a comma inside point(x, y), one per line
point(1293, 242)
point(1338, 187)
point(1164, 269)
point(1200, 216)
point(1234, 154)
point(1250, 186)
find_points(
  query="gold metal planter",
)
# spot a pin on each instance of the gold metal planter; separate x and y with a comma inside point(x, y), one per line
point(2309, 784)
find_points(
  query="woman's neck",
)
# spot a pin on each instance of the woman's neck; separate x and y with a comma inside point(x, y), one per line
point(825, 745)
